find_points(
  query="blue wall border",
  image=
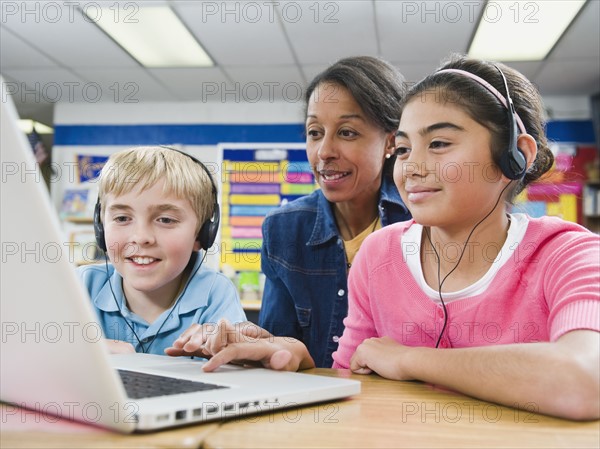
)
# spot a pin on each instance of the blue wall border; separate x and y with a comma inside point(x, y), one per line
point(204, 134)
point(581, 131)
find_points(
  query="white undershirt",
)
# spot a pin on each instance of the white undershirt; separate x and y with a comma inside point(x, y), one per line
point(411, 242)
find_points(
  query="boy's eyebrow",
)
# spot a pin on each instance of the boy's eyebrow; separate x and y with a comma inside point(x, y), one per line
point(158, 207)
point(431, 128)
point(119, 207)
point(166, 207)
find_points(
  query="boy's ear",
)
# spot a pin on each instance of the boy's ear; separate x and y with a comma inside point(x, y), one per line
point(197, 246)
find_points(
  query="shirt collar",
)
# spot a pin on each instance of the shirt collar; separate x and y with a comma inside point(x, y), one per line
point(105, 300)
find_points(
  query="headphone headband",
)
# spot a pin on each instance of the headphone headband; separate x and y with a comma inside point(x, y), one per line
point(492, 89)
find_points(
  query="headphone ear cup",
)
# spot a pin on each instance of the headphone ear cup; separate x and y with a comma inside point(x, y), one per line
point(513, 163)
point(209, 229)
point(99, 227)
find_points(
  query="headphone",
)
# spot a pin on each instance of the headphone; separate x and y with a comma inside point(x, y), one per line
point(208, 231)
point(512, 161)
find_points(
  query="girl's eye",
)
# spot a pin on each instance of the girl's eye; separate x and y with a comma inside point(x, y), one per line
point(438, 144)
point(120, 219)
point(401, 151)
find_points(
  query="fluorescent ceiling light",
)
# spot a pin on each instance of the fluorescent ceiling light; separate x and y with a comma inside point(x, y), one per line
point(522, 30)
point(153, 35)
point(28, 125)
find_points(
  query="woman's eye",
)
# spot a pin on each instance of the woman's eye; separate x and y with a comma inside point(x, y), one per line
point(348, 133)
point(120, 219)
point(313, 133)
point(167, 220)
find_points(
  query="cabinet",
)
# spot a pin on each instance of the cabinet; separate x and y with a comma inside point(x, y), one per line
point(591, 206)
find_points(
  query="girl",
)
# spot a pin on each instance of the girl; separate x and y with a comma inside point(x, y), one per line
point(467, 275)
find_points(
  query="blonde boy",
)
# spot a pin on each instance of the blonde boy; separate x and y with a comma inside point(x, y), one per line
point(152, 204)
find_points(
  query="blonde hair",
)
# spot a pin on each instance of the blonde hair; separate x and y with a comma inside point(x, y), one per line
point(144, 166)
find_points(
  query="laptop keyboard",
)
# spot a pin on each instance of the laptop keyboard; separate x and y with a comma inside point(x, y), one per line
point(142, 385)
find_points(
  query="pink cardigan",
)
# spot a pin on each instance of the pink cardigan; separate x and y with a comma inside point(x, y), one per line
point(549, 286)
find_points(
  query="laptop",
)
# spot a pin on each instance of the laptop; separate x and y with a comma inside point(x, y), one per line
point(52, 357)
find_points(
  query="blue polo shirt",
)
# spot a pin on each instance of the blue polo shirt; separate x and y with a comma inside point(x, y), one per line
point(208, 297)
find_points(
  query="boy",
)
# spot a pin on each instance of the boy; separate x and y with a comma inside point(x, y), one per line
point(156, 209)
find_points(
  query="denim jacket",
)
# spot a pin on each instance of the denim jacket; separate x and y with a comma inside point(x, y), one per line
point(303, 258)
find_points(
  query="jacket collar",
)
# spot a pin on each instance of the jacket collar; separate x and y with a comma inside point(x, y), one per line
point(325, 227)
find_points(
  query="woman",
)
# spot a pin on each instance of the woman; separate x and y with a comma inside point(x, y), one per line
point(352, 114)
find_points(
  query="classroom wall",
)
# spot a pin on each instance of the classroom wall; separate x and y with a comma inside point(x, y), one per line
point(203, 128)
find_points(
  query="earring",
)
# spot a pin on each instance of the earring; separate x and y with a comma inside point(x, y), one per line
point(388, 155)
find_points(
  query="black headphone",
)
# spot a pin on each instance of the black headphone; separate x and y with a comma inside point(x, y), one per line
point(512, 161)
point(208, 231)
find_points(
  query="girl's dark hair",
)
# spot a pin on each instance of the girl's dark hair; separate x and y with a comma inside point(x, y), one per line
point(377, 86)
point(483, 107)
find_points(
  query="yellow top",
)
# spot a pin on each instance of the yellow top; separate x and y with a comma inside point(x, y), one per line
point(352, 246)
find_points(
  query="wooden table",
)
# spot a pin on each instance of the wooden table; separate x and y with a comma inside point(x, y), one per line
point(386, 414)
point(20, 428)
point(403, 414)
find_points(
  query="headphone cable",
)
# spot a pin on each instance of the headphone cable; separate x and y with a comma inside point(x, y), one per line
point(440, 284)
point(146, 350)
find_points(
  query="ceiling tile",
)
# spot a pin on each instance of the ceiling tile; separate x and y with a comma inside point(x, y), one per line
point(582, 39)
point(187, 84)
point(576, 78)
point(64, 35)
point(425, 31)
point(237, 33)
point(54, 85)
point(14, 53)
point(125, 85)
point(323, 32)
point(268, 83)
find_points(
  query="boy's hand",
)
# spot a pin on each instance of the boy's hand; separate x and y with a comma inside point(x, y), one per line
point(119, 347)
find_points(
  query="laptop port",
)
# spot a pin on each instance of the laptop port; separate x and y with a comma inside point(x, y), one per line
point(163, 417)
point(228, 407)
point(211, 408)
point(244, 404)
point(197, 412)
point(181, 414)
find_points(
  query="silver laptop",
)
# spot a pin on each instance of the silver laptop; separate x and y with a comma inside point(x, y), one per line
point(52, 357)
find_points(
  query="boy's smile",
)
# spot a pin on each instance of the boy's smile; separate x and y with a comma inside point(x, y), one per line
point(150, 237)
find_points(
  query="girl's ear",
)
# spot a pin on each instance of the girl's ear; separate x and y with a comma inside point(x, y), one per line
point(197, 246)
point(527, 144)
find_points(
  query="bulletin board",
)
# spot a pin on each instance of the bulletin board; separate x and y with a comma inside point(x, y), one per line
point(257, 178)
